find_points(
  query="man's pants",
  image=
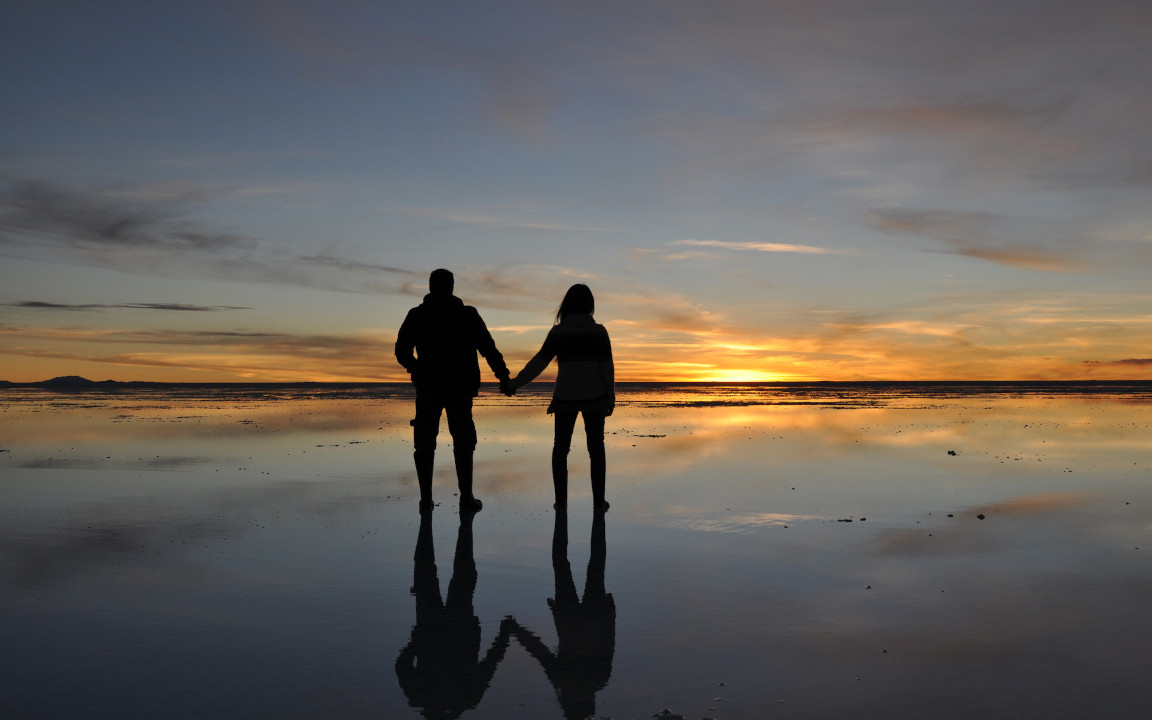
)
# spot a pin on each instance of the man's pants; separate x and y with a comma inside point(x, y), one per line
point(426, 426)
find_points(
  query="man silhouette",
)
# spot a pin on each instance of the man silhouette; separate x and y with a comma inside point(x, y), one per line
point(446, 334)
point(440, 669)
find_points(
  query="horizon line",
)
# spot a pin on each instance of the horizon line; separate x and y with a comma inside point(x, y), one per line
point(79, 380)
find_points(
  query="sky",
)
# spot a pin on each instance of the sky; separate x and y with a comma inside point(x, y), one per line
point(257, 190)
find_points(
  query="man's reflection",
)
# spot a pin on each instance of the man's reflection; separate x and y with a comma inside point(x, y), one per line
point(438, 670)
point(586, 629)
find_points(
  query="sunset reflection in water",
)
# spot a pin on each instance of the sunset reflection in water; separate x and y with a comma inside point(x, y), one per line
point(816, 551)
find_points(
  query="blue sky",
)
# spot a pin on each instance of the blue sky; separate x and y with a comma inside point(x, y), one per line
point(754, 190)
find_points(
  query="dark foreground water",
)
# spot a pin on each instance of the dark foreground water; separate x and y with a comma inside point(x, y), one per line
point(825, 551)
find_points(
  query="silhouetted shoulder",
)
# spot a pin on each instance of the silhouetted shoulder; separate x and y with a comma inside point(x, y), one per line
point(579, 337)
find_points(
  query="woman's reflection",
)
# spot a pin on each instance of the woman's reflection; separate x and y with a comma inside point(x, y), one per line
point(438, 670)
point(586, 629)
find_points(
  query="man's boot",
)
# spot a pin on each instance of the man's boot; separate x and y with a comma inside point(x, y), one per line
point(463, 459)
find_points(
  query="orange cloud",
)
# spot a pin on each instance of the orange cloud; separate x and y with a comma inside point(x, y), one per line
point(765, 247)
point(658, 337)
point(1025, 243)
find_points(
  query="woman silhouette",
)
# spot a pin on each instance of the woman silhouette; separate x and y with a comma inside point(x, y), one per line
point(585, 385)
point(585, 627)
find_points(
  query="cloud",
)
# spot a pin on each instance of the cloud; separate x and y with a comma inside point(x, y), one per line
point(535, 289)
point(973, 116)
point(310, 344)
point(765, 247)
point(338, 263)
point(1024, 243)
point(527, 55)
point(1137, 362)
point(515, 79)
point(875, 99)
point(989, 336)
point(272, 356)
point(1024, 257)
point(494, 222)
point(179, 307)
point(32, 210)
point(1010, 138)
point(151, 233)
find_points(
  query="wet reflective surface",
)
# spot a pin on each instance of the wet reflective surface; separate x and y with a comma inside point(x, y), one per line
point(784, 552)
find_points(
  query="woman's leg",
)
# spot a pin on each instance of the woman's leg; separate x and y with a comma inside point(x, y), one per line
point(594, 431)
point(565, 422)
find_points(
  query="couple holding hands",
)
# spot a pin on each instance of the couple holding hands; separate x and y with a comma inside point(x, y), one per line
point(437, 345)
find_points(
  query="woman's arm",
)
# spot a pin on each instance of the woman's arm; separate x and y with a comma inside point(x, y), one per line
point(536, 365)
point(608, 373)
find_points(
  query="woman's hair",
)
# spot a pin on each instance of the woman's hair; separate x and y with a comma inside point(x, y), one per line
point(577, 301)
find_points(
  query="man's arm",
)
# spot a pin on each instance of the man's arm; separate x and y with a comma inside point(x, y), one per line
point(406, 342)
point(487, 347)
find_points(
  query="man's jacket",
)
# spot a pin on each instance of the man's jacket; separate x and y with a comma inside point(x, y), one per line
point(446, 334)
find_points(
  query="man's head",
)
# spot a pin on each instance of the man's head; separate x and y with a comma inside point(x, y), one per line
point(441, 282)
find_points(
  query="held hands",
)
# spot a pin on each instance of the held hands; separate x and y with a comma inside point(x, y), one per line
point(506, 387)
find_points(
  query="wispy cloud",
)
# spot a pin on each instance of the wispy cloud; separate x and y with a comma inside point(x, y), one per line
point(984, 116)
point(153, 233)
point(464, 218)
point(766, 247)
point(283, 356)
point(1024, 243)
point(338, 263)
point(34, 212)
point(665, 336)
point(1025, 257)
point(177, 307)
point(1135, 362)
point(522, 287)
point(515, 79)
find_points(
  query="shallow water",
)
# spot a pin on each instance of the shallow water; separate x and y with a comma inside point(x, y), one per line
point(792, 552)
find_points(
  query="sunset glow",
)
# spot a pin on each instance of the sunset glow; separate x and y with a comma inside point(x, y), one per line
point(754, 191)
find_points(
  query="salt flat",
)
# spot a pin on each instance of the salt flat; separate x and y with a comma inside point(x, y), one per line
point(794, 552)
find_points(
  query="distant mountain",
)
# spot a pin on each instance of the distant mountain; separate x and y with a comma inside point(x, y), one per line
point(68, 381)
point(64, 382)
point(75, 382)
